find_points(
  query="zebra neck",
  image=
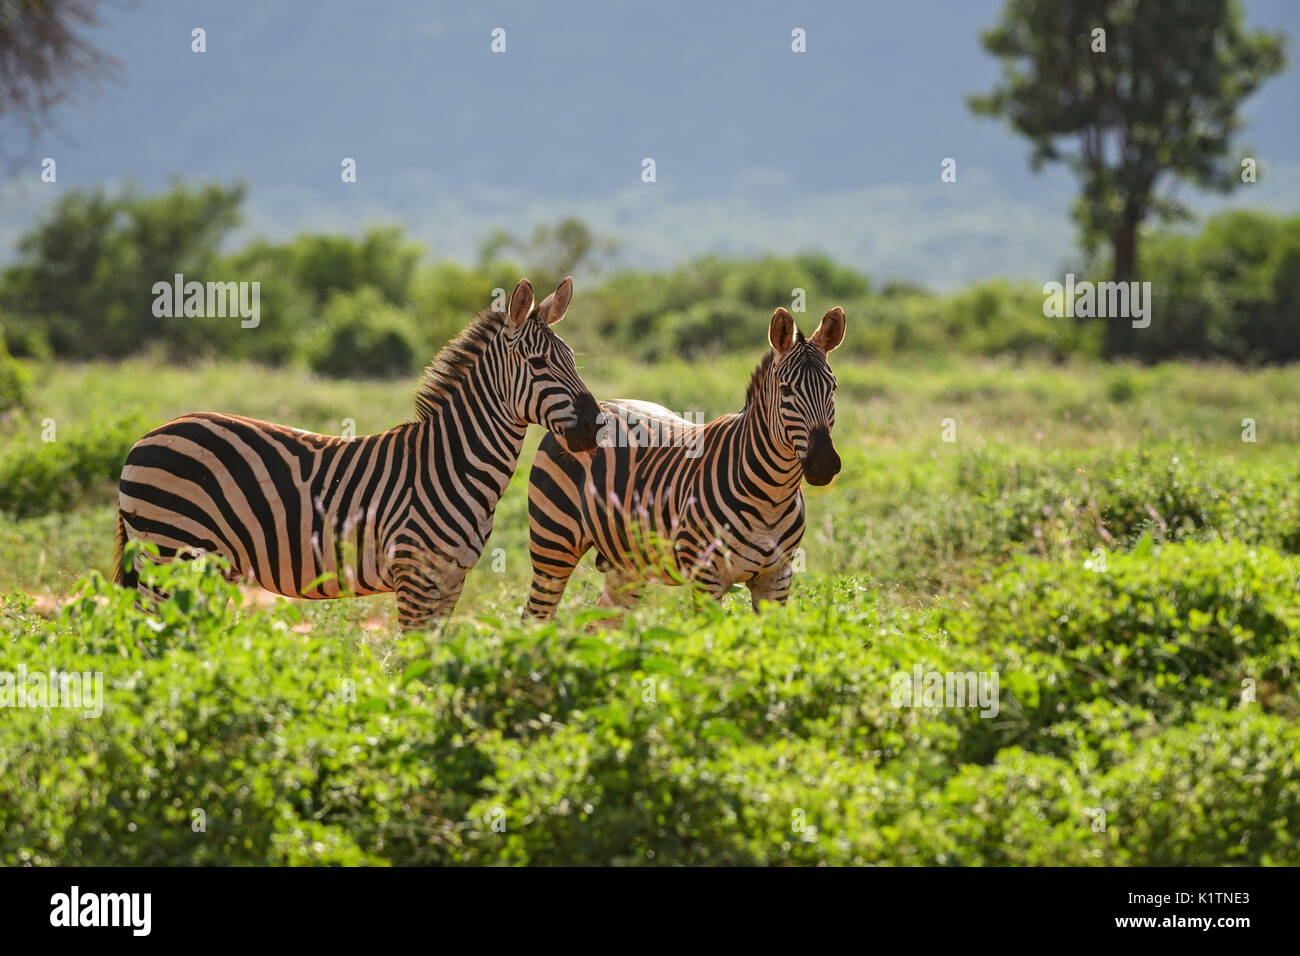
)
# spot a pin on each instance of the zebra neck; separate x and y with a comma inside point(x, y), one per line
point(764, 464)
point(472, 441)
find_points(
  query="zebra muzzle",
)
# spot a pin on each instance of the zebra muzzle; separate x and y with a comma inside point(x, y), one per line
point(581, 435)
point(822, 462)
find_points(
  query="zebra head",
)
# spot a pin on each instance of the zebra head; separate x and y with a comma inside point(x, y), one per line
point(804, 400)
point(545, 385)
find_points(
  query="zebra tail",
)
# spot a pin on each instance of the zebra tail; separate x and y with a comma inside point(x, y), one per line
point(121, 576)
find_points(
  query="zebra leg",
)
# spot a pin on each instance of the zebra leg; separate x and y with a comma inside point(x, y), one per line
point(427, 595)
point(773, 586)
point(705, 570)
point(623, 590)
point(150, 597)
point(553, 563)
point(546, 590)
point(707, 585)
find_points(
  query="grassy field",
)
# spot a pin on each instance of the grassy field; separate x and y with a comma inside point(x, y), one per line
point(1036, 451)
point(1123, 670)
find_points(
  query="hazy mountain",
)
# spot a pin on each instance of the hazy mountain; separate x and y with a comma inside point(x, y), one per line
point(757, 148)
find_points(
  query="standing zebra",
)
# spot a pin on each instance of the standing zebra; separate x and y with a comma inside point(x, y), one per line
point(718, 504)
point(405, 510)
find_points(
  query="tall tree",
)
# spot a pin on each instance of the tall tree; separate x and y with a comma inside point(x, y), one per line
point(1148, 90)
point(552, 251)
point(86, 270)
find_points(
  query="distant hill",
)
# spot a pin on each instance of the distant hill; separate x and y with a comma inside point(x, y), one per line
point(757, 148)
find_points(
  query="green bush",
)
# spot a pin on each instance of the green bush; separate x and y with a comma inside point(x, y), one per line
point(14, 382)
point(361, 336)
point(445, 296)
point(81, 287)
point(221, 711)
point(38, 476)
point(86, 271)
point(383, 259)
point(711, 737)
point(1223, 789)
point(719, 325)
point(1164, 630)
point(1023, 810)
point(1230, 292)
point(1056, 503)
point(998, 317)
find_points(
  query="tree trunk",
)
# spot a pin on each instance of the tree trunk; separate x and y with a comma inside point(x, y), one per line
point(1121, 338)
point(1124, 243)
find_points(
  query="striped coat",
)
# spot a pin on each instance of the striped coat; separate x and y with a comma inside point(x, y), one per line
point(407, 510)
point(714, 505)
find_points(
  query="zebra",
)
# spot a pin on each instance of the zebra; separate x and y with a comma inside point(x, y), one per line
point(406, 510)
point(719, 504)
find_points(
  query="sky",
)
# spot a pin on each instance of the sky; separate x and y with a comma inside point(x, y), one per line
point(757, 149)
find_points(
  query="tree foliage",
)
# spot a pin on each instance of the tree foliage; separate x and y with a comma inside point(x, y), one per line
point(43, 54)
point(87, 270)
point(1153, 97)
point(375, 305)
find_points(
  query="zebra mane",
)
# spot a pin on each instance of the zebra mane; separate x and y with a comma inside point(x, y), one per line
point(759, 373)
point(449, 366)
point(752, 391)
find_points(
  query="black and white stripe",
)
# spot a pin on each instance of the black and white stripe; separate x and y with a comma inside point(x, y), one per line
point(727, 510)
point(405, 510)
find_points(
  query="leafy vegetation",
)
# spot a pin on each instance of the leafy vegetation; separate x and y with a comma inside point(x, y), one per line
point(227, 736)
point(1110, 553)
point(372, 306)
point(1101, 538)
point(13, 383)
point(1123, 79)
point(42, 473)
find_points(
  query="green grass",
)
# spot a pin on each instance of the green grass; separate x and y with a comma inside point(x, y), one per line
point(1099, 536)
point(915, 514)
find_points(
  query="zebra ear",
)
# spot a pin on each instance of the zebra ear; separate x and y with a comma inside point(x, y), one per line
point(830, 333)
point(781, 332)
point(556, 304)
point(521, 304)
